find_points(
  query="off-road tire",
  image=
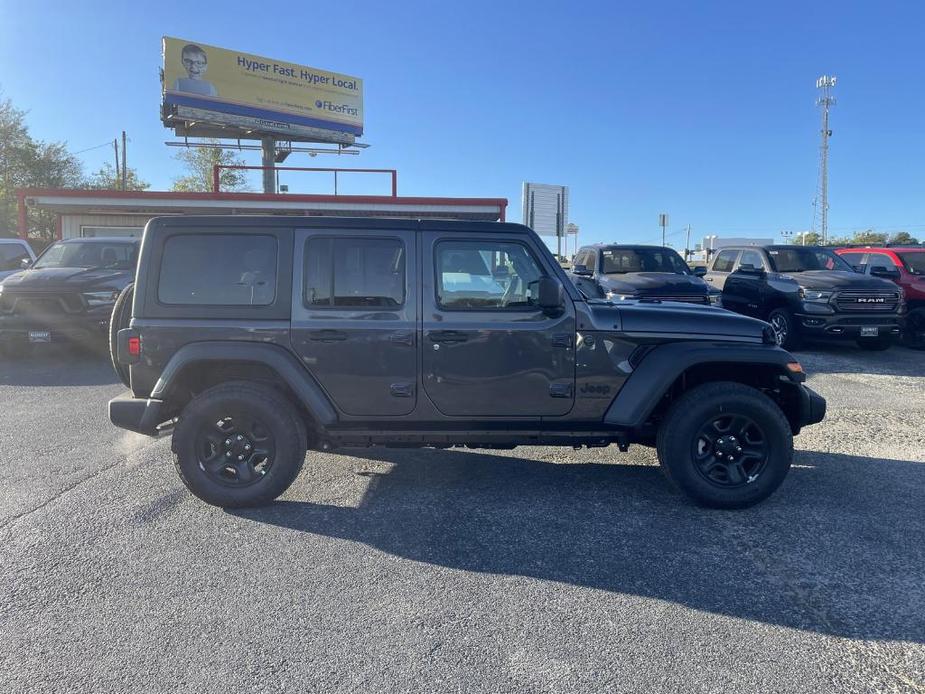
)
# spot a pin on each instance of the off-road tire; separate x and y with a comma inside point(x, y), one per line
point(121, 315)
point(914, 331)
point(280, 417)
point(792, 338)
point(680, 429)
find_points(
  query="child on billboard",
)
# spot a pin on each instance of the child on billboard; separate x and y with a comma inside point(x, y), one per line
point(196, 63)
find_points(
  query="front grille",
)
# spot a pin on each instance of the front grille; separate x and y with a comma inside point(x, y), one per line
point(885, 300)
point(27, 304)
point(686, 298)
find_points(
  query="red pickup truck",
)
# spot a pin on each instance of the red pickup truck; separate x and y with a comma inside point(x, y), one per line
point(906, 267)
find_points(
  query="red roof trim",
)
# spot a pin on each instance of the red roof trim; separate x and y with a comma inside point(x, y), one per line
point(231, 197)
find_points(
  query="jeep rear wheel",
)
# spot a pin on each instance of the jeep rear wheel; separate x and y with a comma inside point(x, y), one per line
point(239, 444)
point(725, 445)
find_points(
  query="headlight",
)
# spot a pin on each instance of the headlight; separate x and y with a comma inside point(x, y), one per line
point(95, 299)
point(815, 295)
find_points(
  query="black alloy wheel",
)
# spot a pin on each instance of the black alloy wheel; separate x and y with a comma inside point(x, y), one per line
point(239, 444)
point(236, 451)
point(730, 451)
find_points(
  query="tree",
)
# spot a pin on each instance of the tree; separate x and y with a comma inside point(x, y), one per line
point(199, 162)
point(808, 238)
point(106, 179)
point(29, 163)
point(904, 238)
point(869, 237)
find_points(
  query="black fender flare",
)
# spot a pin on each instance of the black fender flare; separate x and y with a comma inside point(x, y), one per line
point(661, 367)
point(289, 369)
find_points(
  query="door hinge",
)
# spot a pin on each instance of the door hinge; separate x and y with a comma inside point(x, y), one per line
point(560, 390)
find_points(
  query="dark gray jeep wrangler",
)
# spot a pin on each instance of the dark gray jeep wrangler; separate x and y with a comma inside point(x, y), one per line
point(254, 338)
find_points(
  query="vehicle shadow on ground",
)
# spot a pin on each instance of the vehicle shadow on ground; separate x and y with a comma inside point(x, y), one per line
point(838, 550)
point(825, 358)
point(57, 366)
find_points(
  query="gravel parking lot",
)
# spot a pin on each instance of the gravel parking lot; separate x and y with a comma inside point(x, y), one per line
point(541, 569)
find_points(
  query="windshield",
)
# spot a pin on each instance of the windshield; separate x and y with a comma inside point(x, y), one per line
point(615, 261)
point(914, 262)
point(115, 256)
point(806, 259)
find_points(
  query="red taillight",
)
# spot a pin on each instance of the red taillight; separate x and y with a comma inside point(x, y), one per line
point(134, 346)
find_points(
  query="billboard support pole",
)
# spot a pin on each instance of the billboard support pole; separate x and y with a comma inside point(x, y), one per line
point(124, 164)
point(269, 159)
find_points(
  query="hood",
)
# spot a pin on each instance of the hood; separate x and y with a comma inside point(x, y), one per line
point(837, 279)
point(684, 321)
point(660, 283)
point(67, 278)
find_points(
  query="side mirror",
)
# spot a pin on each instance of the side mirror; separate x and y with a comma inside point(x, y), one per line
point(25, 263)
point(582, 270)
point(888, 273)
point(550, 294)
point(700, 272)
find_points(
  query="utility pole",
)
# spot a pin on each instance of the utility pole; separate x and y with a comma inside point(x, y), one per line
point(663, 223)
point(115, 147)
point(124, 168)
point(687, 244)
point(826, 84)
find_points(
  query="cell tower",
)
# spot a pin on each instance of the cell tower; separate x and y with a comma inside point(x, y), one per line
point(826, 84)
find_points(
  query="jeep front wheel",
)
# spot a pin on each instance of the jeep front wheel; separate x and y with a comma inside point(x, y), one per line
point(725, 445)
point(239, 444)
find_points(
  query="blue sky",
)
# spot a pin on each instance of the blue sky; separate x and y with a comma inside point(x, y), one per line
point(703, 110)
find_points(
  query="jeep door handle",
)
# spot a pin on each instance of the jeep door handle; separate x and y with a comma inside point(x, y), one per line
point(327, 336)
point(446, 336)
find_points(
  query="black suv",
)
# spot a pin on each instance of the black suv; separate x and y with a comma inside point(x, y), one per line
point(807, 291)
point(67, 294)
point(252, 338)
point(637, 272)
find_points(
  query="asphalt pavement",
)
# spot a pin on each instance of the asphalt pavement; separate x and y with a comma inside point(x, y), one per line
point(535, 570)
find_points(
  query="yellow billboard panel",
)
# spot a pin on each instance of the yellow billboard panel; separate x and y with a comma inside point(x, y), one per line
point(199, 76)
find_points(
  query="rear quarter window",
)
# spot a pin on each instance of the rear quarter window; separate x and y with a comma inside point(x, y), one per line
point(218, 270)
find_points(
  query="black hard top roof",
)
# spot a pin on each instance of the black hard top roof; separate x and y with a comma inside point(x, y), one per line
point(306, 221)
point(628, 247)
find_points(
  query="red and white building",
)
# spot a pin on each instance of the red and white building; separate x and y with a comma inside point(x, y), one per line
point(82, 213)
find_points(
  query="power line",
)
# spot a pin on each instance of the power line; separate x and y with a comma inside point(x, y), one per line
point(108, 143)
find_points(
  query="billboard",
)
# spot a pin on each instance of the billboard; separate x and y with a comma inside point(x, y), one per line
point(250, 92)
point(545, 208)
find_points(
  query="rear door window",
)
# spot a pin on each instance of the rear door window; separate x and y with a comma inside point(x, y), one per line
point(752, 258)
point(855, 260)
point(879, 260)
point(354, 273)
point(219, 270)
point(725, 261)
